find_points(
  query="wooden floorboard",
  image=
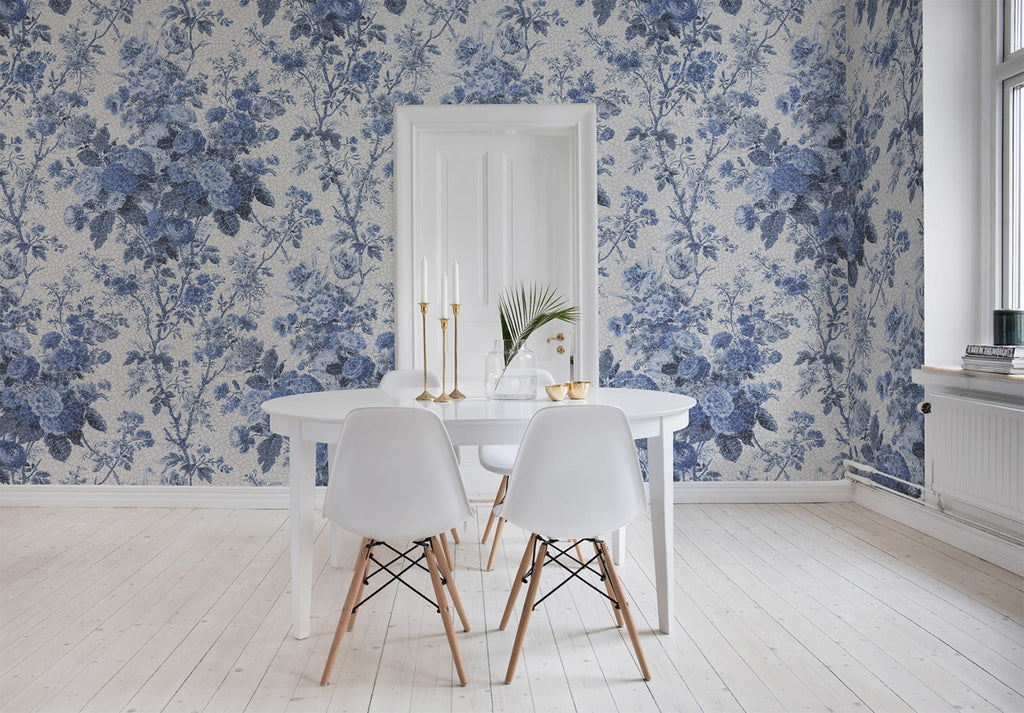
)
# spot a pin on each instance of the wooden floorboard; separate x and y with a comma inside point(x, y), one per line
point(860, 580)
point(787, 594)
point(800, 607)
point(859, 624)
point(880, 524)
point(716, 555)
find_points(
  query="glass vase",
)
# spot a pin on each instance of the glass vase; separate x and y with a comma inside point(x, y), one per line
point(517, 380)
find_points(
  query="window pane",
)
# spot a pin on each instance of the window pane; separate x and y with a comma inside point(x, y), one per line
point(1013, 191)
point(1014, 26)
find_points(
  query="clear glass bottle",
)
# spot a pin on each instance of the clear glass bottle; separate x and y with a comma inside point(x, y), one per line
point(516, 381)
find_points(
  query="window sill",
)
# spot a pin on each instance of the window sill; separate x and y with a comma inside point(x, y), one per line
point(953, 378)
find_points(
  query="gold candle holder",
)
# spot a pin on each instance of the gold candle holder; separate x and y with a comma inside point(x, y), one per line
point(426, 395)
point(443, 398)
point(456, 394)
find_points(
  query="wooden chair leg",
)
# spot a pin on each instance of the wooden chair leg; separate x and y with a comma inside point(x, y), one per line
point(579, 552)
point(608, 586)
point(446, 615)
point(524, 618)
point(524, 564)
point(497, 501)
point(362, 583)
point(455, 536)
point(452, 589)
point(494, 545)
point(620, 597)
point(447, 552)
point(346, 613)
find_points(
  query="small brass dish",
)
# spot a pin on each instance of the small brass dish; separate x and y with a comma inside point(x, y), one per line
point(556, 392)
point(578, 389)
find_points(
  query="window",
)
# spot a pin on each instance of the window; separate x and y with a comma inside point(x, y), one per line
point(1010, 76)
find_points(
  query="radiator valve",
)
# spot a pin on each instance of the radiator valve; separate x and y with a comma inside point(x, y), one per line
point(924, 407)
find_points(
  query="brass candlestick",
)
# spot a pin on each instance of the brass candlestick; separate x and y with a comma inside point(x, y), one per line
point(456, 394)
point(426, 395)
point(443, 398)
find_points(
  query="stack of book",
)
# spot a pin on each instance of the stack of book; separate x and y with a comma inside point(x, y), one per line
point(994, 359)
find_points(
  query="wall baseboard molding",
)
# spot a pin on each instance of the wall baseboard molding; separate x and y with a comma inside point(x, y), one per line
point(759, 491)
point(150, 496)
point(962, 535)
point(276, 496)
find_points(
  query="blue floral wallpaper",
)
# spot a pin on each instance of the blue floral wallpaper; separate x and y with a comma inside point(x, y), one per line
point(196, 215)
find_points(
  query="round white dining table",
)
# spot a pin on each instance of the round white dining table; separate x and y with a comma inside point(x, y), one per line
point(308, 419)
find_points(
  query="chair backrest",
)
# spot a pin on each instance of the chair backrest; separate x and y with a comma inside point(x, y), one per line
point(544, 378)
point(576, 474)
point(394, 476)
point(399, 380)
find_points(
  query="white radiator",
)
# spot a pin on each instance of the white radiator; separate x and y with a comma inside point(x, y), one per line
point(974, 466)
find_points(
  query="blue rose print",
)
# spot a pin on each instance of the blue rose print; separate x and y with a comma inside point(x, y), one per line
point(198, 216)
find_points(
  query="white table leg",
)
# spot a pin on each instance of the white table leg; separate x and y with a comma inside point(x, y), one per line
point(659, 473)
point(337, 538)
point(337, 534)
point(301, 472)
point(618, 546)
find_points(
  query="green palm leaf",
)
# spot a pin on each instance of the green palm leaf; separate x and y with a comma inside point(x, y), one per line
point(526, 309)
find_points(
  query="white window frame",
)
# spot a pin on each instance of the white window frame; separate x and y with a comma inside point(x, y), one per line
point(1012, 190)
point(963, 205)
point(1007, 72)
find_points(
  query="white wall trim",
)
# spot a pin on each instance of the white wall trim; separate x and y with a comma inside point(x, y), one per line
point(992, 548)
point(276, 496)
point(150, 496)
point(818, 491)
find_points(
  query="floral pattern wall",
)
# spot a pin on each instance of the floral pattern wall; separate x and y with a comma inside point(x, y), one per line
point(196, 215)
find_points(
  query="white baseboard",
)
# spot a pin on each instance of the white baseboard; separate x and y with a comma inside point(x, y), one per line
point(276, 496)
point(759, 491)
point(150, 496)
point(923, 518)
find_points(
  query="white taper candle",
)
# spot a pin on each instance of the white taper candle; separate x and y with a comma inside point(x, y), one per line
point(424, 297)
point(444, 295)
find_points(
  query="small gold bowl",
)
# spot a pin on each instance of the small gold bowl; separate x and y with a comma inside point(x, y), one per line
point(578, 389)
point(556, 392)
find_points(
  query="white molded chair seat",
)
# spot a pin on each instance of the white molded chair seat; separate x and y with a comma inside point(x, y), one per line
point(414, 494)
point(576, 476)
point(499, 459)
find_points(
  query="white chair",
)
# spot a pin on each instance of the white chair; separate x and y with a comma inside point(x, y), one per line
point(398, 381)
point(412, 495)
point(576, 476)
point(409, 382)
point(499, 459)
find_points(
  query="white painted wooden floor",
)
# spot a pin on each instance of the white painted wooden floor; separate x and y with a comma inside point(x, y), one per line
point(779, 608)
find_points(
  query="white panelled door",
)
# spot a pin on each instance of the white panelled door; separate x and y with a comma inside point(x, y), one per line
point(510, 192)
point(501, 205)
